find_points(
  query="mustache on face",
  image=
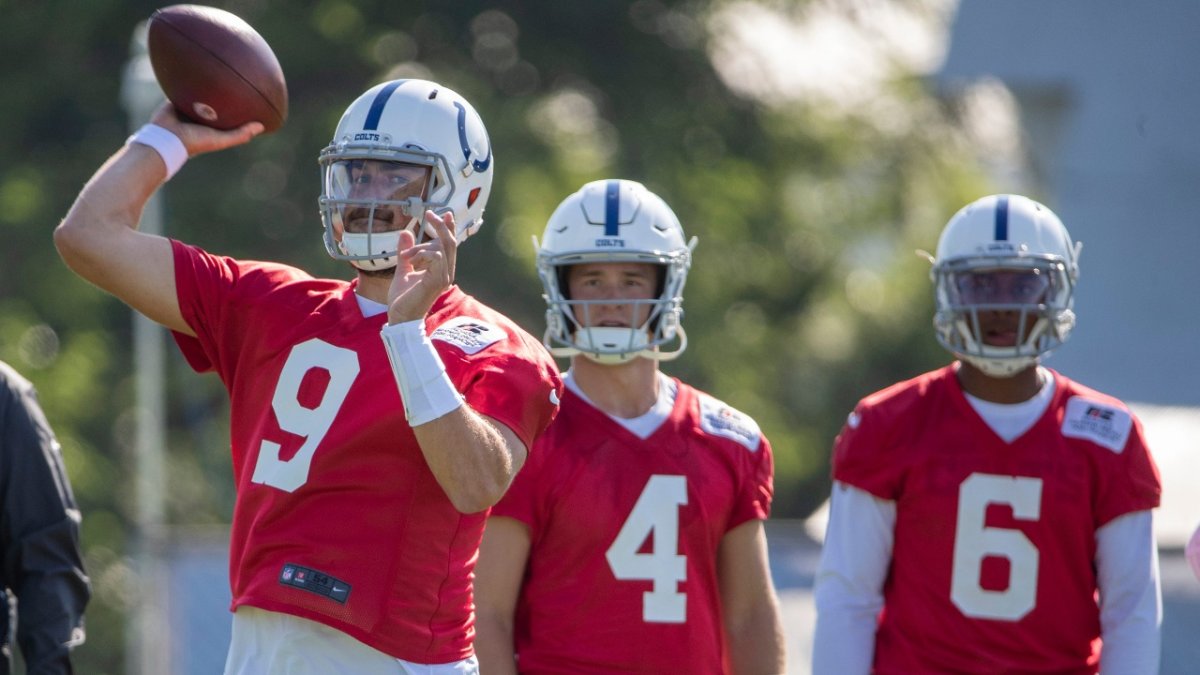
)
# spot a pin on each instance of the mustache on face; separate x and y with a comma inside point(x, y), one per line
point(386, 214)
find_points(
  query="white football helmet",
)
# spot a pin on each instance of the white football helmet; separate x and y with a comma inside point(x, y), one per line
point(614, 221)
point(413, 122)
point(1016, 241)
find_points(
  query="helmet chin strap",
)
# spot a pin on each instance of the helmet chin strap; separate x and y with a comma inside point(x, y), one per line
point(1002, 368)
point(614, 346)
point(377, 265)
point(999, 362)
point(611, 345)
point(356, 244)
point(370, 248)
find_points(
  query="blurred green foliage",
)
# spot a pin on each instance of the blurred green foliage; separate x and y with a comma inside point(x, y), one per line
point(805, 293)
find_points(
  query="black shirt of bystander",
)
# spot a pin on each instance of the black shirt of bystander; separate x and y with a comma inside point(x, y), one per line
point(40, 562)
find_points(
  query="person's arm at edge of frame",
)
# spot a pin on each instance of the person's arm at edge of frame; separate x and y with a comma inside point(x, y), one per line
point(1130, 595)
point(502, 559)
point(98, 239)
point(750, 608)
point(47, 575)
point(1192, 553)
point(854, 564)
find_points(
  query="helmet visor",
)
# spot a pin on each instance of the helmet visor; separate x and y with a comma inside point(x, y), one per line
point(1000, 287)
point(370, 195)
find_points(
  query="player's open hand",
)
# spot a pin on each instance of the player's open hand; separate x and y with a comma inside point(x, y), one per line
point(199, 139)
point(423, 271)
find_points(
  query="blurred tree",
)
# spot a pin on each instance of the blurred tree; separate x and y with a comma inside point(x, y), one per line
point(804, 295)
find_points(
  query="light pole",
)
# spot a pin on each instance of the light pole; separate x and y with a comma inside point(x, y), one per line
point(147, 636)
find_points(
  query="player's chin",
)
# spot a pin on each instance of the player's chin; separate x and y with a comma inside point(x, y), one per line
point(376, 274)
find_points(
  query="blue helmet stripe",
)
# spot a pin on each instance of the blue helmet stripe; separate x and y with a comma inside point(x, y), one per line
point(381, 99)
point(612, 208)
point(1002, 218)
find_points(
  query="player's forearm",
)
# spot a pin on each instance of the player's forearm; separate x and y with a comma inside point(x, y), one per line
point(474, 459)
point(749, 605)
point(494, 646)
point(471, 458)
point(756, 645)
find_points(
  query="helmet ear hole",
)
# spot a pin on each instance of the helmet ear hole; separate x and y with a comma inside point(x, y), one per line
point(660, 286)
point(563, 278)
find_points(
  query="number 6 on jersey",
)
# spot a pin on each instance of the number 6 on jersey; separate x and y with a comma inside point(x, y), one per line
point(655, 515)
point(974, 541)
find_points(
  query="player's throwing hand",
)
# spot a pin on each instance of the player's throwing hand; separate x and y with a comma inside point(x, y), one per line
point(199, 139)
point(425, 271)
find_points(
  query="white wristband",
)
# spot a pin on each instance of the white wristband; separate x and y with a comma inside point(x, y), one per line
point(165, 143)
point(425, 388)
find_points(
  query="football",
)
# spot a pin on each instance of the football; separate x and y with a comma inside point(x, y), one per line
point(215, 68)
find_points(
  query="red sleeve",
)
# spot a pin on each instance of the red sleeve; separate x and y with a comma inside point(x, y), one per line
point(522, 500)
point(231, 303)
point(861, 457)
point(497, 367)
point(517, 389)
point(203, 283)
point(1130, 482)
point(758, 486)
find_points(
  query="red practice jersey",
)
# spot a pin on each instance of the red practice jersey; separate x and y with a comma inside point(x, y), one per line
point(624, 534)
point(338, 518)
point(992, 567)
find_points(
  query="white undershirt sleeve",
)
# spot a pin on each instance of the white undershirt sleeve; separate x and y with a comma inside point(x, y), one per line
point(1130, 595)
point(849, 587)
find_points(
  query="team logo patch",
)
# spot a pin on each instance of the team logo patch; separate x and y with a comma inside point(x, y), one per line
point(1097, 422)
point(468, 334)
point(315, 582)
point(718, 419)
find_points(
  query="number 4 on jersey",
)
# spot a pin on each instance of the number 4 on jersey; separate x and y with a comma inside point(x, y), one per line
point(655, 516)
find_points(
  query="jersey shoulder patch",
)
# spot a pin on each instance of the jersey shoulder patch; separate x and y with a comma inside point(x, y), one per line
point(1099, 422)
point(718, 419)
point(469, 334)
